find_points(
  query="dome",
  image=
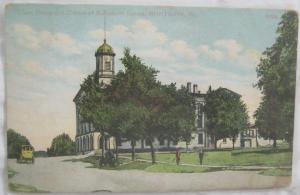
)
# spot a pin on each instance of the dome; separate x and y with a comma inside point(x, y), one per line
point(105, 49)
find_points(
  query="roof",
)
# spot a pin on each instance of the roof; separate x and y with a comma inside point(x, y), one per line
point(105, 49)
point(229, 91)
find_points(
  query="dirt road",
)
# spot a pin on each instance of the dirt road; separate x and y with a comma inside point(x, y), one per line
point(55, 175)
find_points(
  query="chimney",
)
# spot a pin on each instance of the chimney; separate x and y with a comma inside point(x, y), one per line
point(195, 88)
point(189, 87)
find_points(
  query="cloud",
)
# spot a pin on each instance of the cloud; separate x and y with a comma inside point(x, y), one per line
point(29, 38)
point(214, 54)
point(141, 34)
point(231, 51)
point(181, 48)
point(232, 47)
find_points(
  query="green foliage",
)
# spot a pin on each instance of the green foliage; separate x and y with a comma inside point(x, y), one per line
point(14, 143)
point(178, 118)
point(136, 106)
point(167, 168)
point(226, 114)
point(11, 173)
point(61, 145)
point(277, 172)
point(276, 74)
point(95, 104)
point(226, 158)
point(15, 187)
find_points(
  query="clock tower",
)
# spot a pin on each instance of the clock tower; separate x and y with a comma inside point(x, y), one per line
point(105, 63)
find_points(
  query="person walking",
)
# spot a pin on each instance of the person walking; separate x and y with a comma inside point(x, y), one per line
point(201, 154)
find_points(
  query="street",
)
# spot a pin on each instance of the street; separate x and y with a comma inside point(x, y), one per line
point(55, 175)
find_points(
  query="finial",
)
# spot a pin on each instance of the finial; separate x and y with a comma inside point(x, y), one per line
point(104, 24)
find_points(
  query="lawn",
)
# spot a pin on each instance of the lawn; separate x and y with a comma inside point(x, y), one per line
point(259, 157)
point(227, 158)
point(277, 172)
point(14, 187)
point(11, 173)
point(126, 164)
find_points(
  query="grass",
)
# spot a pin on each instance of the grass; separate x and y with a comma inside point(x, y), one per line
point(127, 164)
point(14, 187)
point(248, 157)
point(93, 160)
point(226, 158)
point(167, 168)
point(11, 173)
point(277, 172)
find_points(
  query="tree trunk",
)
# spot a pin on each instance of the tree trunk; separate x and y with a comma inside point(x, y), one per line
point(186, 146)
point(291, 144)
point(152, 153)
point(233, 140)
point(103, 146)
point(117, 150)
point(215, 143)
point(132, 150)
point(256, 139)
point(274, 143)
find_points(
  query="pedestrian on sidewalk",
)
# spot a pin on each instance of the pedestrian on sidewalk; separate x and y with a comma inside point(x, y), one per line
point(201, 154)
point(177, 156)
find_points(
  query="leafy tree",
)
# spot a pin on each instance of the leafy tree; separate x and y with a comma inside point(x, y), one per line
point(96, 107)
point(276, 74)
point(178, 119)
point(140, 89)
point(61, 145)
point(226, 114)
point(129, 120)
point(14, 143)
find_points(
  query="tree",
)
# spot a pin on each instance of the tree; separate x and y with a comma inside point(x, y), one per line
point(141, 89)
point(61, 145)
point(96, 107)
point(226, 114)
point(14, 143)
point(276, 74)
point(129, 121)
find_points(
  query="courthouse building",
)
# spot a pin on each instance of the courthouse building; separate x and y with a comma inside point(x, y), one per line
point(88, 139)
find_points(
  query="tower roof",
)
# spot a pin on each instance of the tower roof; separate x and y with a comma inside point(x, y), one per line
point(105, 49)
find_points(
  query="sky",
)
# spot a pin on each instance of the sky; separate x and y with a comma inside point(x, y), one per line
point(50, 50)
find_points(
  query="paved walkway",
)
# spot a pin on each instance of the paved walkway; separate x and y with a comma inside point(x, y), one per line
point(55, 175)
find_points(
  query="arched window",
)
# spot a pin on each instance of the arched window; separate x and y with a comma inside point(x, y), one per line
point(91, 142)
point(88, 143)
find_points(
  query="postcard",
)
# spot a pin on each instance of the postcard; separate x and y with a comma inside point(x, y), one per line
point(120, 98)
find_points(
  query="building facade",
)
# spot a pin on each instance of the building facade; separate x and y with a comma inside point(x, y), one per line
point(88, 139)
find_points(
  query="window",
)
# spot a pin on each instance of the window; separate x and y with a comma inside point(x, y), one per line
point(161, 142)
point(107, 65)
point(224, 140)
point(119, 141)
point(175, 142)
point(200, 138)
point(200, 116)
point(148, 142)
point(199, 121)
